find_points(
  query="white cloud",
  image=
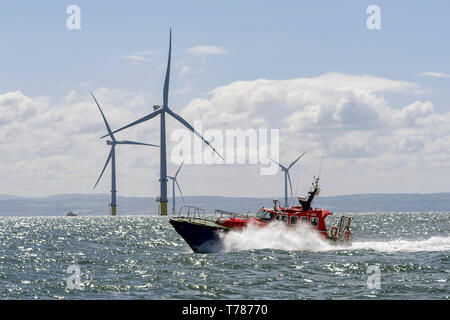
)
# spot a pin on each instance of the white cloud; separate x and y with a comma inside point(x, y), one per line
point(346, 115)
point(184, 71)
point(434, 74)
point(206, 50)
point(331, 99)
point(417, 113)
point(50, 147)
point(146, 52)
point(135, 58)
point(87, 83)
point(71, 96)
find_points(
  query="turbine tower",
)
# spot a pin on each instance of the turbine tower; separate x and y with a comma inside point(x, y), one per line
point(112, 157)
point(162, 110)
point(287, 177)
point(174, 181)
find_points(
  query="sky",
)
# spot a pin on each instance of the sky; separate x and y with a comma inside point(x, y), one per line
point(375, 102)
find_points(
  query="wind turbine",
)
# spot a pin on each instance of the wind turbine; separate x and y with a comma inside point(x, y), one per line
point(174, 181)
point(162, 110)
point(287, 177)
point(112, 157)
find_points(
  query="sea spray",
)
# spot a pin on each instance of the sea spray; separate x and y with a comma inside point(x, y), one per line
point(436, 243)
point(277, 236)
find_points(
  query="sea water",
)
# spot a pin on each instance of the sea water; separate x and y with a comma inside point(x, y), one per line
point(393, 256)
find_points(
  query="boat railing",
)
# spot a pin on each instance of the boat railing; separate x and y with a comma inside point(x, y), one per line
point(228, 214)
point(192, 212)
point(343, 227)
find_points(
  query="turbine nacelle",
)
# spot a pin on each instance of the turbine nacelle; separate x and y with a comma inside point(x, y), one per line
point(287, 177)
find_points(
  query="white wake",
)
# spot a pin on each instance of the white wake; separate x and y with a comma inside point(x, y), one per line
point(278, 236)
point(436, 243)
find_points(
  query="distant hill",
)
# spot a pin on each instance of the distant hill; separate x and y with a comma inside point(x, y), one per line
point(97, 204)
point(387, 202)
point(8, 197)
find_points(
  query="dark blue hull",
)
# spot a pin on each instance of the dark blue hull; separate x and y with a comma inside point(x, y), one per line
point(202, 236)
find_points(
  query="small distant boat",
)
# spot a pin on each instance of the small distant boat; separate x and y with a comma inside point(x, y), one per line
point(202, 232)
point(71, 214)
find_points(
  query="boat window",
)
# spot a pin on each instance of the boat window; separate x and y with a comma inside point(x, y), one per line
point(314, 222)
point(268, 216)
point(294, 219)
point(282, 217)
point(303, 219)
point(260, 213)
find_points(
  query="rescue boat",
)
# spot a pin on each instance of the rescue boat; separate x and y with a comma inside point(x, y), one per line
point(202, 231)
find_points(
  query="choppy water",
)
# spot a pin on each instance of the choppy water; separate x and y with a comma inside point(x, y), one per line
point(142, 257)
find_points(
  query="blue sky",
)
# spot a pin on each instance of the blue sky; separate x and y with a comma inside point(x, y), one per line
point(54, 67)
point(265, 39)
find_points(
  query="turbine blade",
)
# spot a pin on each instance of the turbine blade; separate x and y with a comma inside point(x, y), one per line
point(166, 81)
point(187, 125)
point(136, 143)
point(104, 118)
point(147, 117)
point(281, 166)
point(176, 174)
point(290, 184)
point(106, 164)
point(296, 160)
point(179, 189)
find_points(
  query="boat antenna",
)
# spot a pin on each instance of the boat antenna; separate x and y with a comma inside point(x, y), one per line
point(321, 163)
